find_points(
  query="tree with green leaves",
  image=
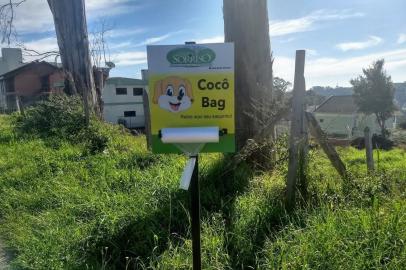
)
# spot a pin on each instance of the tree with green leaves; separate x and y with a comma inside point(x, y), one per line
point(374, 93)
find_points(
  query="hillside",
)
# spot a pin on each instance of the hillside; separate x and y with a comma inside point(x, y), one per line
point(65, 207)
point(326, 91)
point(400, 93)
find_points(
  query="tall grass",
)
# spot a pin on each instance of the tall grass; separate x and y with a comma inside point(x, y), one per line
point(63, 206)
point(341, 239)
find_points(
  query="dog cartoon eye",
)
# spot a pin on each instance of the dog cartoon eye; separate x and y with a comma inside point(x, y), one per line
point(169, 90)
point(182, 91)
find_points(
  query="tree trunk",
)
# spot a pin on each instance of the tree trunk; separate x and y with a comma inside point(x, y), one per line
point(381, 122)
point(246, 24)
point(71, 31)
point(100, 77)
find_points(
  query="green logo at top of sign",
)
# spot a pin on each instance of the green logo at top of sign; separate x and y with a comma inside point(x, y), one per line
point(191, 57)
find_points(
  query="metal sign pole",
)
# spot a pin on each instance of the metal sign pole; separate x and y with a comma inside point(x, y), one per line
point(178, 123)
point(195, 215)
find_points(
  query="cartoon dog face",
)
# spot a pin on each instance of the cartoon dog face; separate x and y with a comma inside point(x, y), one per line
point(173, 94)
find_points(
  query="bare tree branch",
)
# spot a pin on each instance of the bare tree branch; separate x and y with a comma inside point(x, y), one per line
point(8, 31)
point(99, 48)
point(38, 55)
point(7, 16)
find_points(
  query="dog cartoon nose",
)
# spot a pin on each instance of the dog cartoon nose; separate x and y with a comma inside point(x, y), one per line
point(180, 98)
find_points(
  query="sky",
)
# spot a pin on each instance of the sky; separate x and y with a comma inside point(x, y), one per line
point(340, 37)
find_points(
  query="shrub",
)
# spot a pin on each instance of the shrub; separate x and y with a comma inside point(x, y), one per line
point(61, 118)
point(402, 125)
point(94, 137)
point(378, 142)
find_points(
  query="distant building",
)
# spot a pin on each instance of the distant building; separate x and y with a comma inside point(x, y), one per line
point(403, 108)
point(338, 116)
point(11, 58)
point(123, 101)
point(28, 83)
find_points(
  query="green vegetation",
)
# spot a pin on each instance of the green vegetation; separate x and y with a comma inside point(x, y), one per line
point(374, 93)
point(66, 206)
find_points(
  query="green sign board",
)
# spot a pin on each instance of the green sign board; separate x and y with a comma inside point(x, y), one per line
point(191, 57)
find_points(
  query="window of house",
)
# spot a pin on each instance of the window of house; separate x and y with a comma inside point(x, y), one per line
point(10, 85)
point(321, 120)
point(137, 91)
point(45, 83)
point(121, 91)
point(129, 114)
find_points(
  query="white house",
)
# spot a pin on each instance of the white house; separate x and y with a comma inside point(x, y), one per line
point(338, 116)
point(123, 102)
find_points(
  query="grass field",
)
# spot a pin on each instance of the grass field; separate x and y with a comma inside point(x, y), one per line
point(63, 207)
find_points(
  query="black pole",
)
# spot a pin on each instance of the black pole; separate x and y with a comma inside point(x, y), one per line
point(195, 213)
point(195, 210)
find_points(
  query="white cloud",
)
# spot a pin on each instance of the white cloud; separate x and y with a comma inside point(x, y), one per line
point(311, 52)
point(40, 46)
point(285, 40)
point(43, 45)
point(284, 67)
point(124, 32)
point(281, 28)
point(333, 71)
point(129, 58)
point(35, 16)
point(120, 45)
point(215, 39)
point(153, 40)
point(308, 23)
point(402, 38)
point(99, 8)
point(370, 42)
point(103, 4)
point(123, 58)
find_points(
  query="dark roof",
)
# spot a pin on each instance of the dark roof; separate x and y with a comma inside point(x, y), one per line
point(13, 72)
point(124, 81)
point(338, 104)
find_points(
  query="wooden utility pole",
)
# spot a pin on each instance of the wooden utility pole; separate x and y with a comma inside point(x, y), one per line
point(298, 134)
point(246, 24)
point(71, 31)
point(369, 149)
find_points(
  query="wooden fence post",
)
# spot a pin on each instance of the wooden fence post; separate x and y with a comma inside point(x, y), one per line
point(298, 137)
point(331, 153)
point(17, 103)
point(369, 149)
